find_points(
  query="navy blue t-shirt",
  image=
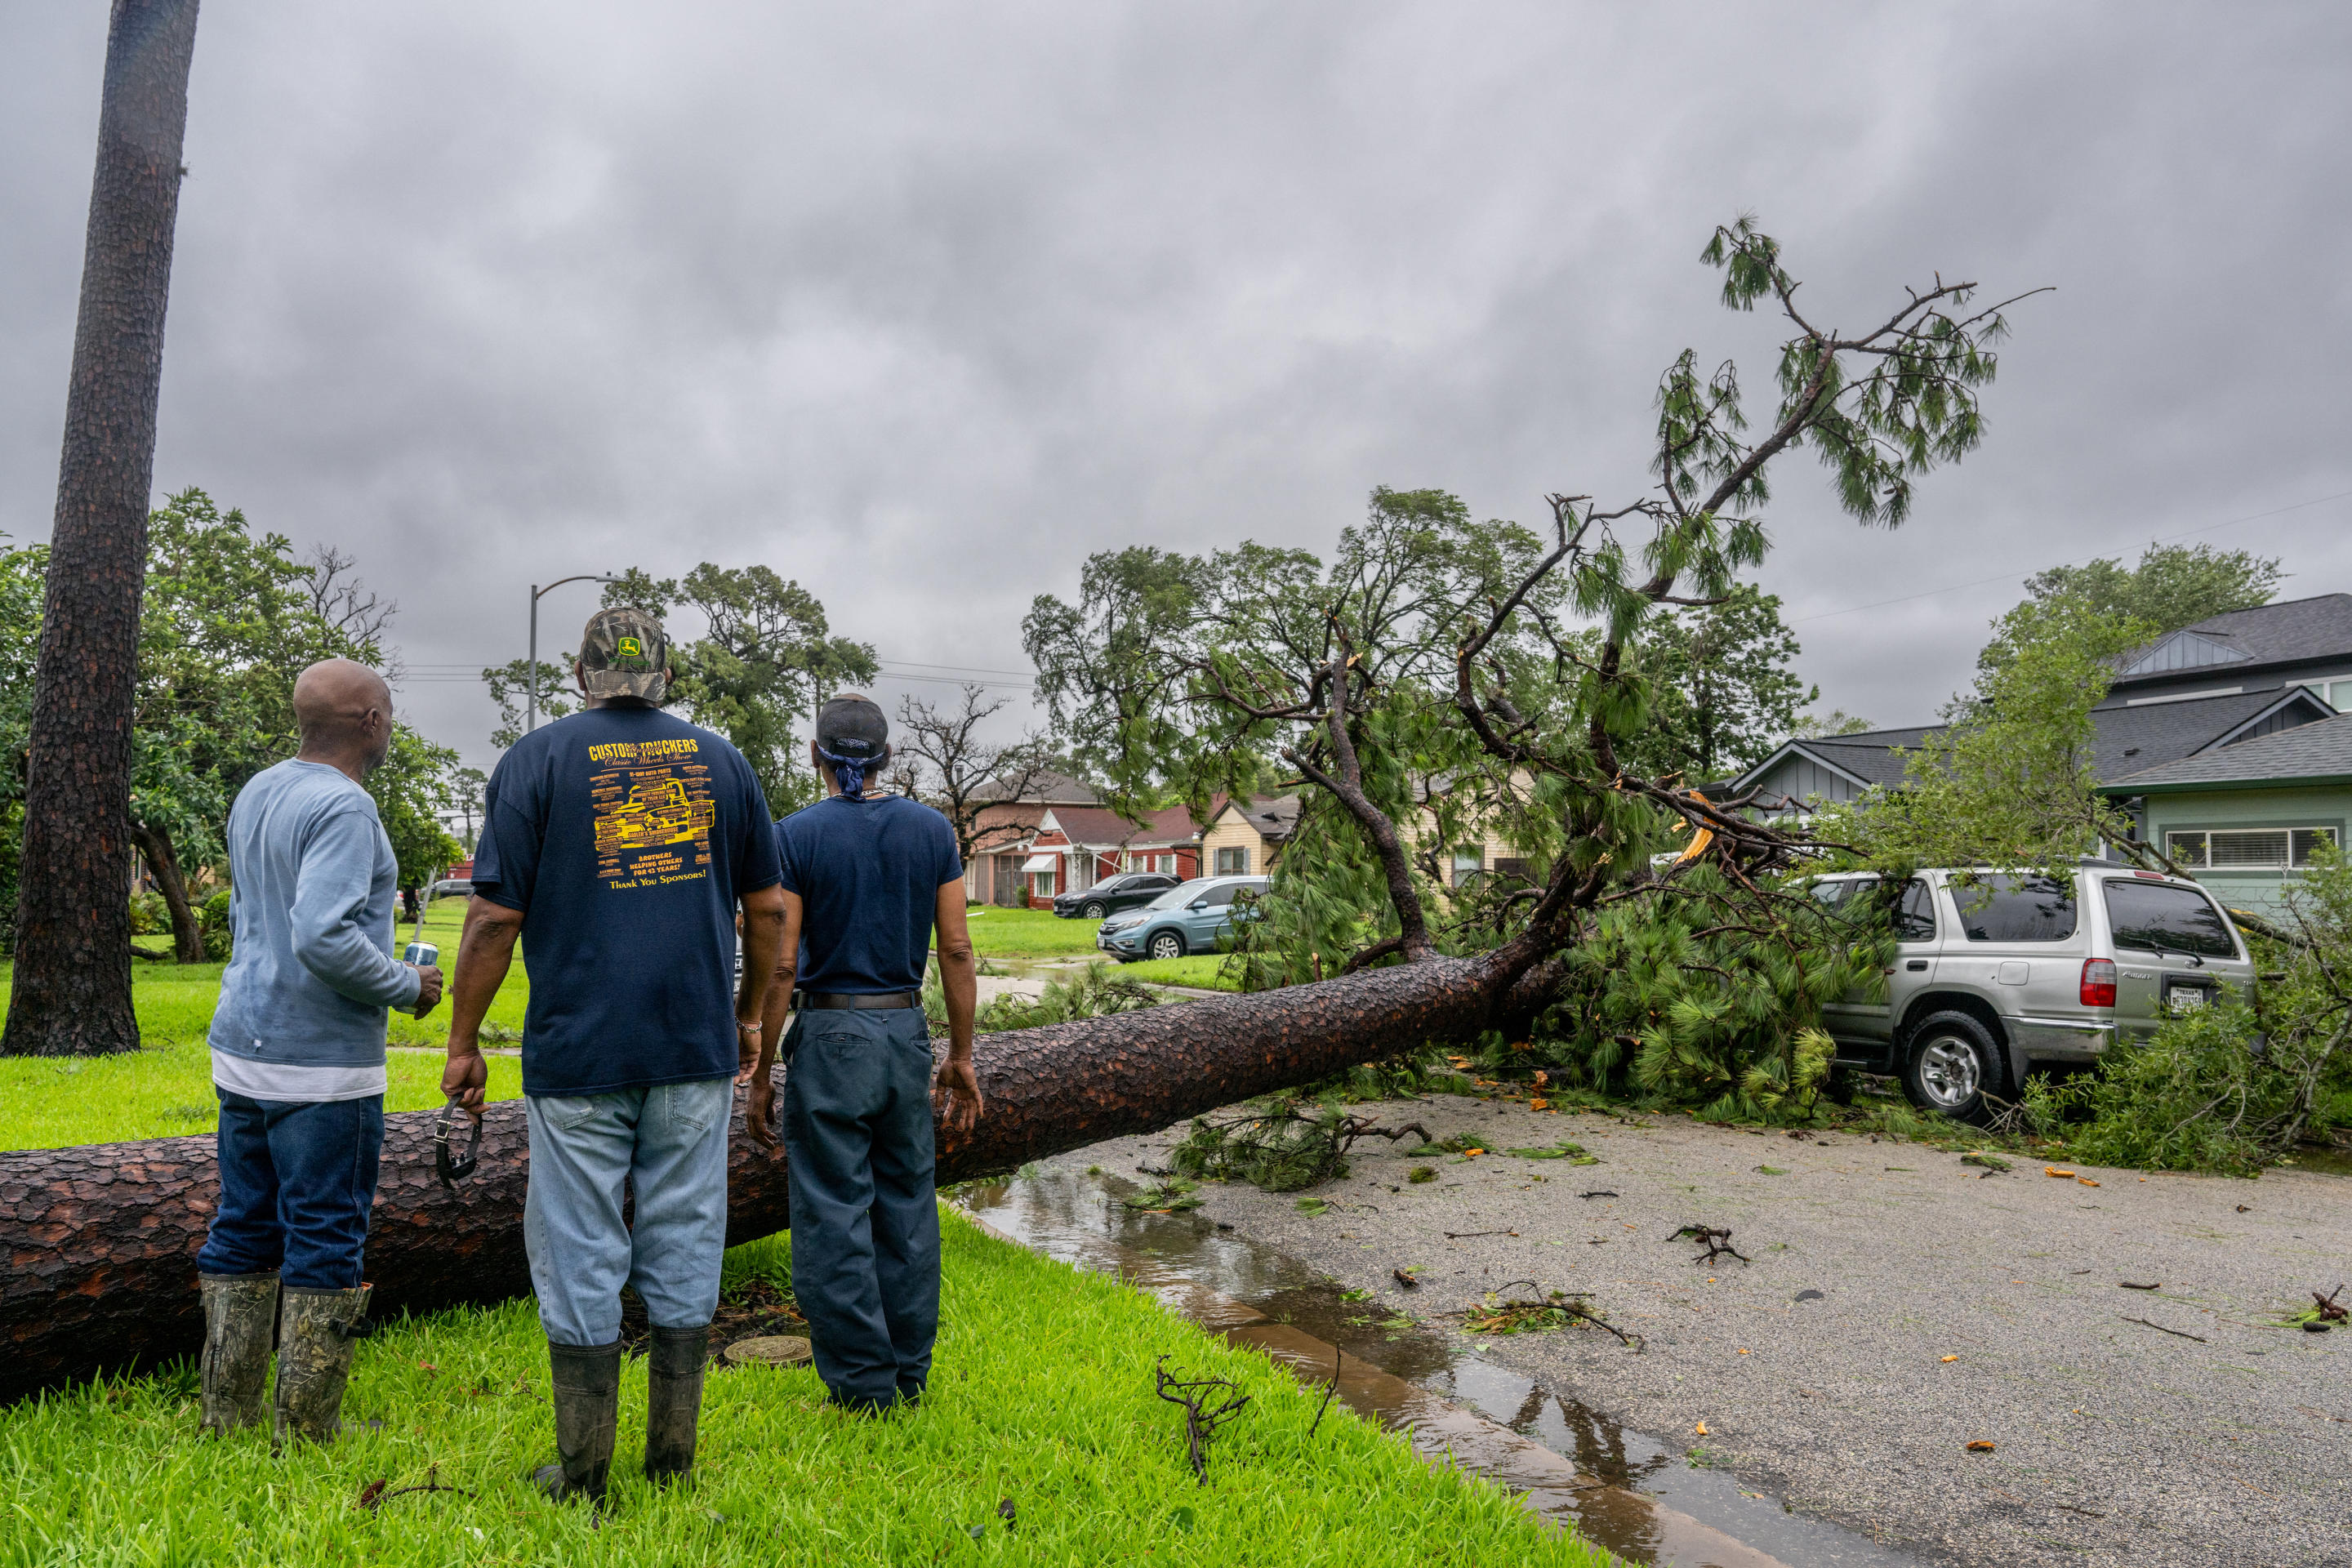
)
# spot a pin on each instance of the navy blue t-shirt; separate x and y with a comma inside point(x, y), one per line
point(625, 837)
point(868, 873)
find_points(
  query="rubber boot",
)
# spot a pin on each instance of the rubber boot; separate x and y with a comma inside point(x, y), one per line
point(316, 1333)
point(240, 1318)
point(587, 1385)
point(674, 1365)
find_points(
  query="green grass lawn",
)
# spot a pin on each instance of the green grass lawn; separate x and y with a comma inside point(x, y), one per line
point(165, 1088)
point(998, 933)
point(162, 1092)
point(1041, 1396)
point(1202, 969)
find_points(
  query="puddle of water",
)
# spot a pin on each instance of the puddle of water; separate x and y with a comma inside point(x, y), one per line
point(2324, 1162)
point(1569, 1462)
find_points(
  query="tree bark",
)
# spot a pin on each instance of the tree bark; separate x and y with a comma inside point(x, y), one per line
point(100, 1241)
point(187, 936)
point(72, 985)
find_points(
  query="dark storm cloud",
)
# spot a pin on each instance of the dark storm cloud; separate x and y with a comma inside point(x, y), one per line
point(922, 305)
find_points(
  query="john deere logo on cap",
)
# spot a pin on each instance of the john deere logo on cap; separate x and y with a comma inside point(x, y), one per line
point(631, 648)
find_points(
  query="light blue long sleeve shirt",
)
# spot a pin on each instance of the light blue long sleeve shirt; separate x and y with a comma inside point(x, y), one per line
point(315, 881)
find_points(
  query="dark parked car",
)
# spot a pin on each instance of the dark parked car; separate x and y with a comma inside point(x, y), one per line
point(1128, 891)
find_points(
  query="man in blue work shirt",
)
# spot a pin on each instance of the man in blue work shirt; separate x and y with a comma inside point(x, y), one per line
point(619, 844)
point(866, 876)
point(297, 1062)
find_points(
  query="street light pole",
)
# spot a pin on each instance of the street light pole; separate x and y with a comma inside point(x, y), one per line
point(530, 710)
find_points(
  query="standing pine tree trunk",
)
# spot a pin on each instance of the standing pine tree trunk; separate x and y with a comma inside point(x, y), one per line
point(72, 990)
point(164, 860)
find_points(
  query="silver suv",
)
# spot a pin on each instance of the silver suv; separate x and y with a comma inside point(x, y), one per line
point(1994, 976)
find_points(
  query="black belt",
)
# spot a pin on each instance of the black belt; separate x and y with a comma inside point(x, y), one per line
point(843, 1001)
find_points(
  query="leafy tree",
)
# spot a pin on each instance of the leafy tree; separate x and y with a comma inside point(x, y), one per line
point(2174, 586)
point(24, 572)
point(1426, 680)
point(468, 785)
point(228, 619)
point(767, 657)
point(1723, 694)
point(2012, 781)
point(1837, 721)
point(415, 785)
point(510, 686)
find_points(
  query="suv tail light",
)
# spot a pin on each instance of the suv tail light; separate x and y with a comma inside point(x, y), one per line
point(2098, 982)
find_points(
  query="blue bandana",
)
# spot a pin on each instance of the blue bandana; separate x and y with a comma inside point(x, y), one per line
point(849, 771)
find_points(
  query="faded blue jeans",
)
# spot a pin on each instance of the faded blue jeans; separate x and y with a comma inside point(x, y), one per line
point(668, 1145)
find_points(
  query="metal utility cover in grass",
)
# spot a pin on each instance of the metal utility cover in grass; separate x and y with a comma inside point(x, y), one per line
point(774, 1350)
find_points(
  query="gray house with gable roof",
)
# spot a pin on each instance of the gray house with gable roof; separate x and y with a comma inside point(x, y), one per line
point(2224, 681)
point(2244, 819)
point(2193, 700)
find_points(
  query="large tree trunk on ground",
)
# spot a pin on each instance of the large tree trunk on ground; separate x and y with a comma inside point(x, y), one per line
point(100, 1241)
point(187, 936)
point(72, 989)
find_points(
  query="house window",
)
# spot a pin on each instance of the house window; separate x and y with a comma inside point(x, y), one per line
point(1041, 883)
point(1231, 862)
point(1469, 861)
point(2248, 848)
point(2336, 694)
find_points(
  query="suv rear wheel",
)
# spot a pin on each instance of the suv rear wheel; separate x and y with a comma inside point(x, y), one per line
point(1167, 944)
point(1952, 1065)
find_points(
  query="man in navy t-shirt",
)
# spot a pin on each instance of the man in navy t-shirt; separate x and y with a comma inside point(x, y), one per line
point(865, 877)
point(619, 843)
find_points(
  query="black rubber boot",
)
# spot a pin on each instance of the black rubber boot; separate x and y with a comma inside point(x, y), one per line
point(240, 1321)
point(316, 1332)
point(674, 1363)
point(587, 1386)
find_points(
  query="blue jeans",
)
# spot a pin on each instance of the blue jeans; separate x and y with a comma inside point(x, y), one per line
point(668, 1146)
point(865, 1219)
point(297, 1181)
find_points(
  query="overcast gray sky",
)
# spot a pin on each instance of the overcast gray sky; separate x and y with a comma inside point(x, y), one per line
point(920, 305)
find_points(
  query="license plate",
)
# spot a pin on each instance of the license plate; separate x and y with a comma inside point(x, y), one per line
point(2184, 998)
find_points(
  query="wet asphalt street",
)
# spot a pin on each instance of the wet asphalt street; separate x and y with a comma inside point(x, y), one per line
point(1952, 1308)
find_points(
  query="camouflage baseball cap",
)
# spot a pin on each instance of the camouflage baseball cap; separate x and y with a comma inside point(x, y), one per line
point(625, 653)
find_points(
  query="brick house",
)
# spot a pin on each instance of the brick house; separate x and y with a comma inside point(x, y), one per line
point(1002, 830)
point(1075, 847)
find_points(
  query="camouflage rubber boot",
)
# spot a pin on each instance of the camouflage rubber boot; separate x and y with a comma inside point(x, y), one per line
point(674, 1400)
point(587, 1387)
point(241, 1317)
point(316, 1333)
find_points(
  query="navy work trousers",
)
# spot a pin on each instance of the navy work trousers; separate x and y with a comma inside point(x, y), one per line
point(297, 1181)
point(865, 1222)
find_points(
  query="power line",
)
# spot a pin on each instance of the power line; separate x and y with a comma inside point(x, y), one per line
point(2028, 571)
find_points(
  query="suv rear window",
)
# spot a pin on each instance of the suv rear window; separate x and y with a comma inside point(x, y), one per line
point(2015, 909)
point(2155, 918)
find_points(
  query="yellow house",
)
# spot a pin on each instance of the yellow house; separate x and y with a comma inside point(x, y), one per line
point(1244, 836)
point(1245, 839)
